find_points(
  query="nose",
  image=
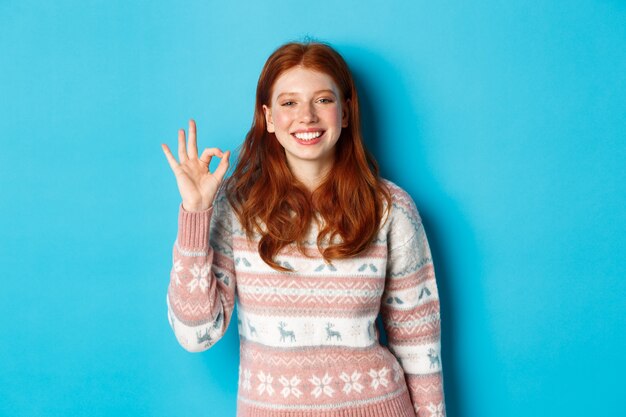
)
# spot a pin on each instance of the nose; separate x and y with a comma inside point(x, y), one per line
point(307, 113)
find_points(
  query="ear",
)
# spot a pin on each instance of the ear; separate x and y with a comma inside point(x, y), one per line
point(268, 119)
point(345, 113)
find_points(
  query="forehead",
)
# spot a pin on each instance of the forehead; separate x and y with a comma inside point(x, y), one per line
point(300, 80)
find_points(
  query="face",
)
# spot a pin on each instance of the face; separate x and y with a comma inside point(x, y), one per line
point(306, 114)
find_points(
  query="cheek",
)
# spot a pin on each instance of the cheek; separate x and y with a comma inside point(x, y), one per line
point(332, 115)
point(282, 119)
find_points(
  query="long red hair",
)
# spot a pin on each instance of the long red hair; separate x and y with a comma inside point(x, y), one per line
point(270, 201)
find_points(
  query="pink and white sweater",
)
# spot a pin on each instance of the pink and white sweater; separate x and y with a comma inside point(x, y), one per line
point(309, 342)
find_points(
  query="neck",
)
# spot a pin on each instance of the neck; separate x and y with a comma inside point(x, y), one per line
point(310, 173)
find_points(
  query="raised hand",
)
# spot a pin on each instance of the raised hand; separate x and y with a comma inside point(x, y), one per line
point(196, 184)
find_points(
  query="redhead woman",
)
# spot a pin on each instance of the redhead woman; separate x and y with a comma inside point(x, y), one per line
point(311, 245)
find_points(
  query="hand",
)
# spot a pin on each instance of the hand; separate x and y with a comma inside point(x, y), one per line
point(196, 184)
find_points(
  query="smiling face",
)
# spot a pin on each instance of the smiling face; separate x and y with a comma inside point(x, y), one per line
point(306, 113)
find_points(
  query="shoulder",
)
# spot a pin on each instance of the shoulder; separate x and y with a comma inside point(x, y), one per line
point(402, 204)
point(404, 221)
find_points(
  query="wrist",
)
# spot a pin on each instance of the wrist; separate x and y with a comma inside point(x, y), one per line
point(195, 207)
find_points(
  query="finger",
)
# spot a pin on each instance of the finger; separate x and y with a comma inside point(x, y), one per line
point(192, 150)
point(221, 169)
point(182, 152)
point(209, 153)
point(170, 157)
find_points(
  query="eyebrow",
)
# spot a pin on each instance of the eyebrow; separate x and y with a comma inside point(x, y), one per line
point(317, 92)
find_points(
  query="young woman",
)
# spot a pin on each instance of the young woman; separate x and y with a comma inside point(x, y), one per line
point(311, 245)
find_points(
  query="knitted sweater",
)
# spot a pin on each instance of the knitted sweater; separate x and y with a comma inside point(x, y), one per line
point(309, 345)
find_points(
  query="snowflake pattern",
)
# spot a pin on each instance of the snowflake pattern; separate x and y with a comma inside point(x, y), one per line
point(379, 377)
point(397, 372)
point(356, 330)
point(322, 385)
point(266, 384)
point(178, 266)
point(290, 386)
point(309, 329)
point(436, 410)
point(199, 278)
point(246, 380)
point(351, 382)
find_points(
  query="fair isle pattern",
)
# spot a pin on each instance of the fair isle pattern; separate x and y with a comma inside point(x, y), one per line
point(309, 342)
point(340, 385)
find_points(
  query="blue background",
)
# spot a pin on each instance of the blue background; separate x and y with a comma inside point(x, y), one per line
point(505, 120)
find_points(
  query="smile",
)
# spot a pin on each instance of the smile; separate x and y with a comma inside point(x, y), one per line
point(306, 136)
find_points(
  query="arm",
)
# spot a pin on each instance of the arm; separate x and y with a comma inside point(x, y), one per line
point(201, 292)
point(410, 310)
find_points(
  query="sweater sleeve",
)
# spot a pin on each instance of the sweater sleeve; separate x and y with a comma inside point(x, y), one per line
point(201, 291)
point(410, 310)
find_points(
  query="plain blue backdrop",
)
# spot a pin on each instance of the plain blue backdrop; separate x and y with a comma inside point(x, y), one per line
point(505, 120)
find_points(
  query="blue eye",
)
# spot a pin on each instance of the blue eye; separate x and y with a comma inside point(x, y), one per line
point(288, 103)
point(326, 100)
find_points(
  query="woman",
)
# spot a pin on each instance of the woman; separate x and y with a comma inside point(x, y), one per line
point(311, 245)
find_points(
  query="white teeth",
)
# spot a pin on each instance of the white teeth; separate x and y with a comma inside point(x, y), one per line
point(308, 135)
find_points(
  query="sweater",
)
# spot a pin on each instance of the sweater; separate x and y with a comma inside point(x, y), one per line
point(309, 344)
